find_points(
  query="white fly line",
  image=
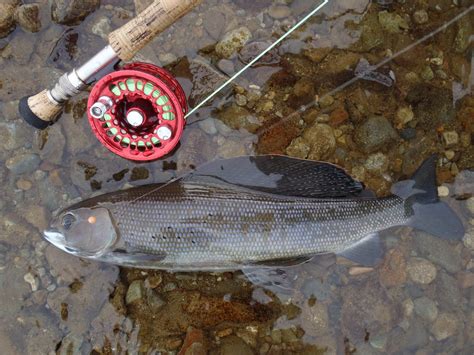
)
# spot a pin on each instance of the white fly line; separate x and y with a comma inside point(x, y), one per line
point(257, 58)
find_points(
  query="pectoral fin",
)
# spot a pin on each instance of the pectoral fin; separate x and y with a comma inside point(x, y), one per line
point(367, 252)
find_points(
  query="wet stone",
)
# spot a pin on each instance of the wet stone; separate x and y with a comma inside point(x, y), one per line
point(468, 238)
point(377, 163)
point(375, 133)
point(392, 22)
point(7, 22)
point(445, 326)
point(421, 271)
point(298, 148)
point(234, 345)
point(393, 271)
point(27, 17)
point(420, 17)
point(450, 138)
point(322, 141)
point(72, 12)
point(214, 22)
point(447, 289)
point(426, 308)
point(134, 292)
point(23, 163)
point(279, 12)
point(233, 42)
point(438, 251)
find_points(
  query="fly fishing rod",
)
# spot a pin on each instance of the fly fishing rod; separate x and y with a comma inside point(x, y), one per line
point(137, 112)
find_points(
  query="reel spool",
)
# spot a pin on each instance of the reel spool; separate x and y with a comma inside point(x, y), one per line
point(138, 112)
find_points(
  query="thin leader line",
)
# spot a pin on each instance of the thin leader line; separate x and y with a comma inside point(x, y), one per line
point(375, 67)
point(298, 25)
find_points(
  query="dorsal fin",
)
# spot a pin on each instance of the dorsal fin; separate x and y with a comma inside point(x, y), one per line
point(280, 175)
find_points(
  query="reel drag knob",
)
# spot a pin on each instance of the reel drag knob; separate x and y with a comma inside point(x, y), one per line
point(138, 112)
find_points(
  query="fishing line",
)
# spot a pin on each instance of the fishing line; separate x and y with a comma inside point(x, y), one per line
point(295, 27)
point(256, 59)
point(375, 67)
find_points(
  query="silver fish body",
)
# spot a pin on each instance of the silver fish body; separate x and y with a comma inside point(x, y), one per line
point(201, 224)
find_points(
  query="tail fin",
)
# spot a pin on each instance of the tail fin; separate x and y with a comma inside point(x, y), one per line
point(422, 204)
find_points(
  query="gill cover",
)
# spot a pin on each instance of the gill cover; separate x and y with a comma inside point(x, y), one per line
point(86, 232)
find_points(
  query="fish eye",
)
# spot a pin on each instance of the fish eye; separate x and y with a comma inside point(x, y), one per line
point(67, 221)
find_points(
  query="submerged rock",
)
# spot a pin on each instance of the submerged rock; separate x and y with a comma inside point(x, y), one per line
point(7, 11)
point(28, 18)
point(23, 163)
point(322, 141)
point(426, 308)
point(375, 133)
point(233, 41)
point(445, 326)
point(72, 12)
point(421, 271)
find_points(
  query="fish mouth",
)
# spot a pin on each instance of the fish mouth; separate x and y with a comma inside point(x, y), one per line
point(53, 236)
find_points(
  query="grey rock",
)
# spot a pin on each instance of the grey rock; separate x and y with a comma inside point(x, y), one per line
point(377, 163)
point(314, 287)
point(53, 149)
point(28, 18)
point(214, 22)
point(226, 66)
point(23, 163)
point(414, 338)
point(72, 12)
point(102, 27)
point(205, 80)
point(13, 136)
point(375, 133)
point(22, 46)
point(208, 125)
point(426, 308)
point(71, 344)
point(468, 238)
point(449, 294)
point(438, 251)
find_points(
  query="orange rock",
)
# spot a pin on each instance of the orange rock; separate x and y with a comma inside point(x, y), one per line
point(338, 116)
point(193, 343)
point(393, 270)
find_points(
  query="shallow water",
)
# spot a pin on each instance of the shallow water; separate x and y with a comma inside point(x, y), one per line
point(375, 89)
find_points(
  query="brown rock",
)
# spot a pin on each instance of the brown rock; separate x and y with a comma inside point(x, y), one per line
point(338, 116)
point(393, 271)
point(193, 343)
point(466, 279)
point(7, 11)
point(27, 17)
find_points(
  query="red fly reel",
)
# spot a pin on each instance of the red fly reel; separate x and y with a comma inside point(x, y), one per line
point(138, 112)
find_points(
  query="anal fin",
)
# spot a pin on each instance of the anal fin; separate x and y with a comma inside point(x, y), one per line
point(367, 251)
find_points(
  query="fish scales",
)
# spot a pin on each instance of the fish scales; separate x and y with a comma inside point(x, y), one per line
point(195, 225)
point(242, 212)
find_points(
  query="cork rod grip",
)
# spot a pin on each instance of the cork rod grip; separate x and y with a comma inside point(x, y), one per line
point(136, 34)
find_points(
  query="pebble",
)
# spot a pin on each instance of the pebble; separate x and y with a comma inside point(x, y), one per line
point(240, 100)
point(279, 12)
point(420, 17)
point(392, 22)
point(102, 27)
point(408, 307)
point(426, 308)
point(360, 270)
point(468, 238)
point(27, 16)
point(208, 126)
point(449, 154)
point(374, 134)
point(153, 281)
point(233, 41)
point(23, 163)
point(32, 280)
point(7, 23)
point(326, 101)
point(376, 163)
point(226, 66)
point(450, 138)
point(445, 326)
point(403, 116)
point(438, 251)
point(322, 141)
point(134, 292)
point(443, 191)
point(298, 148)
point(427, 73)
point(421, 271)
point(23, 184)
point(72, 12)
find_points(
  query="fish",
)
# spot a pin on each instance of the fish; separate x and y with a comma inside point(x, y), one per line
point(247, 212)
